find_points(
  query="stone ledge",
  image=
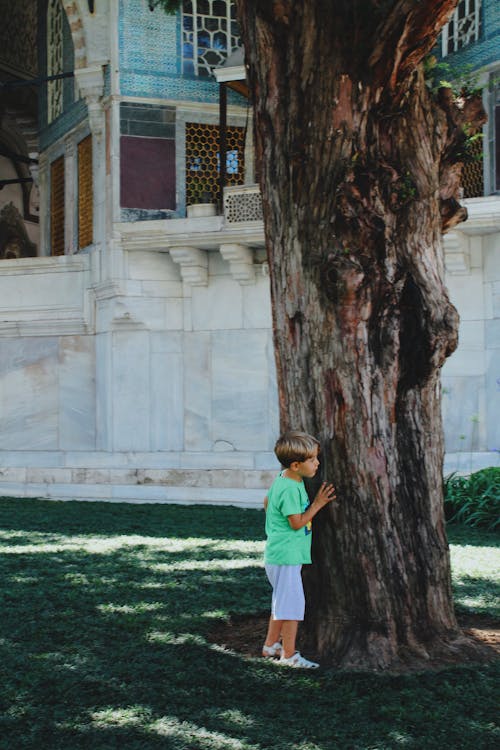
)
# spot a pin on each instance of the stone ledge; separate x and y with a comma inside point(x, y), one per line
point(204, 479)
point(137, 494)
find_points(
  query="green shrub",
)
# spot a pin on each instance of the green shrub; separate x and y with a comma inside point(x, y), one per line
point(475, 499)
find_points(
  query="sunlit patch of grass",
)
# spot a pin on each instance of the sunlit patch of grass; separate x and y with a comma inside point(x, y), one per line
point(132, 716)
point(188, 735)
point(476, 577)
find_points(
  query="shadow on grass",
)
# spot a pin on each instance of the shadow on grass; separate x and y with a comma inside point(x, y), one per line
point(124, 518)
point(472, 537)
point(105, 612)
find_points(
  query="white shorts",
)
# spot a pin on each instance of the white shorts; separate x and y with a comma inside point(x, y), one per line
point(288, 600)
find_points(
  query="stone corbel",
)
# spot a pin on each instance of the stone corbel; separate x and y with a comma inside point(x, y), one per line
point(240, 259)
point(91, 84)
point(193, 263)
point(456, 253)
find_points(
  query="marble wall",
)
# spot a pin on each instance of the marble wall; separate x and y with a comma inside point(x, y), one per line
point(152, 388)
point(471, 376)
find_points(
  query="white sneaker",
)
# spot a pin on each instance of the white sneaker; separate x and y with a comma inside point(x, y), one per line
point(297, 660)
point(272, 651)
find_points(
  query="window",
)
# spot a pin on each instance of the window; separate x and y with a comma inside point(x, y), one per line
point(57, 207)
point(209, 34)
point(85, 196)
point(203, 161)
point(55, 20)
point(463, 28)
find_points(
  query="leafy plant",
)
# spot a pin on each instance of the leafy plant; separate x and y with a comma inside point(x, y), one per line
point(169, 6)
point(462, 80)
point(474, 500)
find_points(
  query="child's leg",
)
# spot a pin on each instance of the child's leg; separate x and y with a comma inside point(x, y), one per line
point(273, 631)
point(289, 635)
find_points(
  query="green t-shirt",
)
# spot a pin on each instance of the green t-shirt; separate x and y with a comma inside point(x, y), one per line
point(286, 546)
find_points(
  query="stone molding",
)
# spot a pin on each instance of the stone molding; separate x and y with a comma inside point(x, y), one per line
point(483, 215)
point(91, 83)
point(32, 317)
point(193, 263)
point(456, 253)
point(240, 260)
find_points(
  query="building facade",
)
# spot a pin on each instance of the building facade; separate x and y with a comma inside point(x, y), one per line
point(136, 357)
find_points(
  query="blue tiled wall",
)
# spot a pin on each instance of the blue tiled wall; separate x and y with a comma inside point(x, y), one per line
point(487, 49)
point(150, 57)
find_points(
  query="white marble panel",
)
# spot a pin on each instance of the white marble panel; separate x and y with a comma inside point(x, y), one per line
point(210, 460)
point(272, 397)
point(493, 400)
point(466, 463)
point(463, 417)
point(174, 314)
point(467, 294)
point(492, 329)
point(217, 266)
point(77, 393)
point(149, 313)
point(197, 392)
point(31, 290)
point(267, 461)
point(257, 304)
point(90, 476)
point(162, 289)
point(494, 290)
point(48, 475)
point(24, 458)
point(131, 395)
point(167, 401)
point(104, 391)
point(28, 393)
point(152, 266)
point(491, 247)
point(464, 363)
point(14, 475)
point(218, 306)
point(167, 342)
point(240, 389)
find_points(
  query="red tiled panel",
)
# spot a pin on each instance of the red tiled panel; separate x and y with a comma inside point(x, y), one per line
point(147, 172)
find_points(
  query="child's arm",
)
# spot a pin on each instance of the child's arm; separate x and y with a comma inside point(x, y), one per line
point(326, 494)
point(265, 502)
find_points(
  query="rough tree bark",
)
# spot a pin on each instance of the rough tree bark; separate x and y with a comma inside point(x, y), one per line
point(360, 166)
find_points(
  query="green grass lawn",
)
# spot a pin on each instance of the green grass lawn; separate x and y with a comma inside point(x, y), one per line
point(105, 609)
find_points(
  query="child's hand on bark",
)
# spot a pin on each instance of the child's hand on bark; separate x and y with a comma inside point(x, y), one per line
point(325, 494)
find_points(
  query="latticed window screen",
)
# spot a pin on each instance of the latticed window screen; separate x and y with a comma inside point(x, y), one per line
point(202, 161)
point(472, 172)
point(463, 28)
point(54, 59)
point(210, 33)
point(85, 198)
point(57, 207)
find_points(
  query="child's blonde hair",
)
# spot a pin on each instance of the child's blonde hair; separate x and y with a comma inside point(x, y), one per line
point(295, 446)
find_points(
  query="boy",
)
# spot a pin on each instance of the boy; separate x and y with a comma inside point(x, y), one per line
point(288, 547)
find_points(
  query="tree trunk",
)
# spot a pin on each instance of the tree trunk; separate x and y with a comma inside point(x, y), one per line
point(358, 174)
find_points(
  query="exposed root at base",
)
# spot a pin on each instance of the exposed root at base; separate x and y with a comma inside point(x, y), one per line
point(478, 642)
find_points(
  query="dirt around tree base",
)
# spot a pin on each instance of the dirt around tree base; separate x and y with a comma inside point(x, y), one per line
point(481, 641)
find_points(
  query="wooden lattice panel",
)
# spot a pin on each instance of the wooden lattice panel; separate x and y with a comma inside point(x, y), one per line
point(57, 207)
point(472, 172)
point(85, 197)
point(202, 161)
